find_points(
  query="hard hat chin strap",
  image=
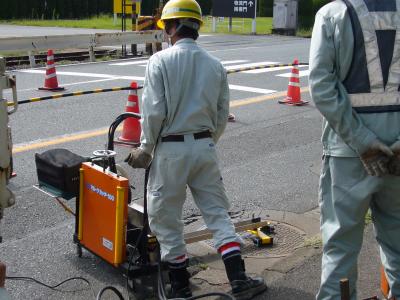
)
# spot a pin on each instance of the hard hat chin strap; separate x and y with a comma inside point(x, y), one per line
point(187, 23)
point(190, 24)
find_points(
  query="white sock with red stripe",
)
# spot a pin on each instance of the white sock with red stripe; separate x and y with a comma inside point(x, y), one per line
point(230, 250)
point(179, 262)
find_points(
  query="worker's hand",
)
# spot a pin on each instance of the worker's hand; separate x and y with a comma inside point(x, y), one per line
point(376, 159)
point(394, 164)
point(138, 159)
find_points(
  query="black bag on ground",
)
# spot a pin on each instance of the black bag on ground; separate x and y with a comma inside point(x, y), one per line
point(58, 172)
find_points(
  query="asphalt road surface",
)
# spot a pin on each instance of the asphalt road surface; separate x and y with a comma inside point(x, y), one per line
point(270, 157)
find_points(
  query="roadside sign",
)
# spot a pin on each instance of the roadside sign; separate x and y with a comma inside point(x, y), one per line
point(118, 7)
point(128, 8)
point(234, 8)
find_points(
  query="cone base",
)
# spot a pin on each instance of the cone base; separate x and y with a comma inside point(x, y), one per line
point(57, 89)
point(289, 101)
point(126, 144)
point(126, 140)
point(231, 118)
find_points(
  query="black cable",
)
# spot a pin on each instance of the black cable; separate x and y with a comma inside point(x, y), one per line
point(111, 288)
point(230, 297)
point(52, 287)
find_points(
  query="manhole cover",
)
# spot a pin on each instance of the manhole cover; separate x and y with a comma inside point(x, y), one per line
point(287, 238)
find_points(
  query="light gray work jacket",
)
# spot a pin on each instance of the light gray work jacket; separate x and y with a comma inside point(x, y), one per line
point(185, 91)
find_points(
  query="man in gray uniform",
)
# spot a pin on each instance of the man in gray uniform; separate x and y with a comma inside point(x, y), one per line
point(354, 81)
point(184, 111)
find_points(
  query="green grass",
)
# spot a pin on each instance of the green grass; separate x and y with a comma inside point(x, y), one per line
point(102, 22)
point(240, 26)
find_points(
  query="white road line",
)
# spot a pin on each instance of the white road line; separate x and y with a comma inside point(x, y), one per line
point(301, 74)
point(94, 75)
point(250, 89)
point(228, 62)
point(129, 63)
point(266, 70)
point(67, 84)
point(235, 49)
point(233, 67)
point(137, 78)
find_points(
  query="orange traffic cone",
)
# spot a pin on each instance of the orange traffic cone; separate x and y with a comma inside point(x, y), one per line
point(385, 289)
point(50, 82)
point(131, 129)
point(293, 94)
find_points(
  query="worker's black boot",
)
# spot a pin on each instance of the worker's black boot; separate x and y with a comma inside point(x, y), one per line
point(180, 285)
point(243, 287)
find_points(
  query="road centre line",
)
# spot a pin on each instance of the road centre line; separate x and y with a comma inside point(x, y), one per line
point(247, 101)
point(24, 147)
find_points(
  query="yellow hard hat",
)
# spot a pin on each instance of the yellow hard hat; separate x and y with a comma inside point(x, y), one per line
point(180, 9)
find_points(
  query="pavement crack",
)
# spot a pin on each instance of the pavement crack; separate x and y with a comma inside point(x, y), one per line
point(202, 280)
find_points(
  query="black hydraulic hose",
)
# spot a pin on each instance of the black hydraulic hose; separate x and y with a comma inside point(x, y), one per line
point(111, 132)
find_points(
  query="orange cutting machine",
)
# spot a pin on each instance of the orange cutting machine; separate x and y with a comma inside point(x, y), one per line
point(102, 213)
point(102, 201)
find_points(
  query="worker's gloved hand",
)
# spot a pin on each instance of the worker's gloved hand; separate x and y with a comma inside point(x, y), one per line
point(394, 164)
point(138, 159)
point(376, 159)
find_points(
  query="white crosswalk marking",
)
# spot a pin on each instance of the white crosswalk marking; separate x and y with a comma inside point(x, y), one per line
point(234, 67)
point(250, 89)
point(301, 74)
point(228, 62)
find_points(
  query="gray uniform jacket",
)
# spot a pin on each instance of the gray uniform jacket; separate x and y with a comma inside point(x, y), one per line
point(185, 91)
point(346, 133)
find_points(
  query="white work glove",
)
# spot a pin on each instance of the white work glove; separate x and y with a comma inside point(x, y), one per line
point(394, 164)
point(376, 158)
point(138, 159)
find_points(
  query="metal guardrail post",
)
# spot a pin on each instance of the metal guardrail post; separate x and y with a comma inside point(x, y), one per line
point(32, 59)
point(92, 56)
point(214, 24)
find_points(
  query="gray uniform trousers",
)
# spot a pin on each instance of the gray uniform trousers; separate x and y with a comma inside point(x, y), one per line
point(177, 165)
point(346, 194)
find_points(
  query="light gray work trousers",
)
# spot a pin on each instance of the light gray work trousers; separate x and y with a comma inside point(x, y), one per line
point(177, 165)
point(346, 194)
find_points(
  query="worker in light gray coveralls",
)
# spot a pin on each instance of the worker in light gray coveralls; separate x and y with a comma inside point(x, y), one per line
point(355, 81)
point(184, 113)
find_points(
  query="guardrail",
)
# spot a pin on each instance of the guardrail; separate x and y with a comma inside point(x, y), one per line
point(88, 41)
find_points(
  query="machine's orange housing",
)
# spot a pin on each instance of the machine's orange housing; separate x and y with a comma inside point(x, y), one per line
point(103, 213)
